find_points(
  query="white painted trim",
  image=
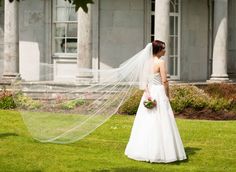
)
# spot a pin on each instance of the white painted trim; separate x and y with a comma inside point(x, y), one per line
point(178, 15)
point(179, 39)
point(64, 77)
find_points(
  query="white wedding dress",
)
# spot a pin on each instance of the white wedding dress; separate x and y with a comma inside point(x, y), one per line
point(154, 135)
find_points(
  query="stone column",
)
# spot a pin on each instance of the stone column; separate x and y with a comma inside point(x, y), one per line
point(220, 30)
point(11, 41)
point(162, 26)
point(84, 58)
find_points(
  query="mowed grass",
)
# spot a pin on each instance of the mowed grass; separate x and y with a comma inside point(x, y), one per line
point(210, 146)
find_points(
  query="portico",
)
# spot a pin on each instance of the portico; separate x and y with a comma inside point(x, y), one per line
point(200, 37)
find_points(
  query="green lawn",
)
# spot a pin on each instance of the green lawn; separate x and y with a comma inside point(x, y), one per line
point(210, 146)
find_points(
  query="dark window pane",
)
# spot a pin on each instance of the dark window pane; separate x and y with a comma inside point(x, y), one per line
point(176, 25)
point(152, 24)
point(152, 38)
point(171, 48)
point(71, 45)
point(171, 65)
point(176, 66)
point(176, 45)
point(172, 25)
point(177, 6)
point(153, 5)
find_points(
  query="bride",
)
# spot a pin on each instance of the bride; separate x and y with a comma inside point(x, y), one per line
point(154, 135)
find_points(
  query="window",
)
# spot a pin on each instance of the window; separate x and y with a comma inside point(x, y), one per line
point(174, 38)
point(174, 51)
point(152, 19)
point(64, 29)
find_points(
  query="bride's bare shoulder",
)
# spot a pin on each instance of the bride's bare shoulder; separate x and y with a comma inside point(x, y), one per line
point(157, 61)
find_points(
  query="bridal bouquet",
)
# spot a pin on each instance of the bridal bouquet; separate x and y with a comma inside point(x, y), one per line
point(149, 103)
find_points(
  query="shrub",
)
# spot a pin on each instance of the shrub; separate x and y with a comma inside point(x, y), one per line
point(130, 106)
point(71, 104)
point(182, 96)
point(223, 96)
point(187, 96)
point(25, 102)
point(217, 104)
point(6, 100)
point(226, 90)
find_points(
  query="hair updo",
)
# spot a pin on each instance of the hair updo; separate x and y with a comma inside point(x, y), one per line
point(157, 46)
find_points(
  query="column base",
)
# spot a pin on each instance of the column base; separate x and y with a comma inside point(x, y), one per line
point(219, 79)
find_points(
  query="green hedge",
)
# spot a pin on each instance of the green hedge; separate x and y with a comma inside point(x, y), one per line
point(182, 96)
point(130, 106)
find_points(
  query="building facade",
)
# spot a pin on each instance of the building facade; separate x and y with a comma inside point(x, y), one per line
point(200, 37)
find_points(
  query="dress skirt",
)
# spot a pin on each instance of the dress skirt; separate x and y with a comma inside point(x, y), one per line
point(154, 135)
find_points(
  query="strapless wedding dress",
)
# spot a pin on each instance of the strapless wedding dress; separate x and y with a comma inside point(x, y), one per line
point(154, 135)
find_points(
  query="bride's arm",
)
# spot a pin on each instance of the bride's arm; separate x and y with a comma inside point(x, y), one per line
point(147, 92)
point(164, 77)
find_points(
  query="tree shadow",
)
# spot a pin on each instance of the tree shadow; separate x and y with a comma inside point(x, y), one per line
point(3, 135)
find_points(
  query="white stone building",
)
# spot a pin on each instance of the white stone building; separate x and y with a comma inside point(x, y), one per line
point(200, 36)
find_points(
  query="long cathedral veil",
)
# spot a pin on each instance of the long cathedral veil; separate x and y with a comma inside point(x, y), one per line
point(67, 112)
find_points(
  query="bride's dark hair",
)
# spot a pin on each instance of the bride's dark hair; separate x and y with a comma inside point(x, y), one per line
point(157, 46)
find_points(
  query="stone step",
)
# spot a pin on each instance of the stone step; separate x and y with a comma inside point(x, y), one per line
point(53, 90)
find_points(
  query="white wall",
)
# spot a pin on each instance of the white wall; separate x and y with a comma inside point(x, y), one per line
point(121, 30)
point(32, 28)
point(194, 40)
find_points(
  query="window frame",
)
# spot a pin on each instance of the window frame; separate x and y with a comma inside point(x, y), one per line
point(64, 55)
point(176, 56)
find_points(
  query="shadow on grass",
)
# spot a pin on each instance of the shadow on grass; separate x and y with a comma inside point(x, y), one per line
point(189, 152)
point(2, 135)
point(126, 169)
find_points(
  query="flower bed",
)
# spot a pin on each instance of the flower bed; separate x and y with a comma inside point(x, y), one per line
point(212, 101)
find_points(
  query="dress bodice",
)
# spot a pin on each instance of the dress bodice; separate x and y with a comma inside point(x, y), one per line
point(155, 79)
